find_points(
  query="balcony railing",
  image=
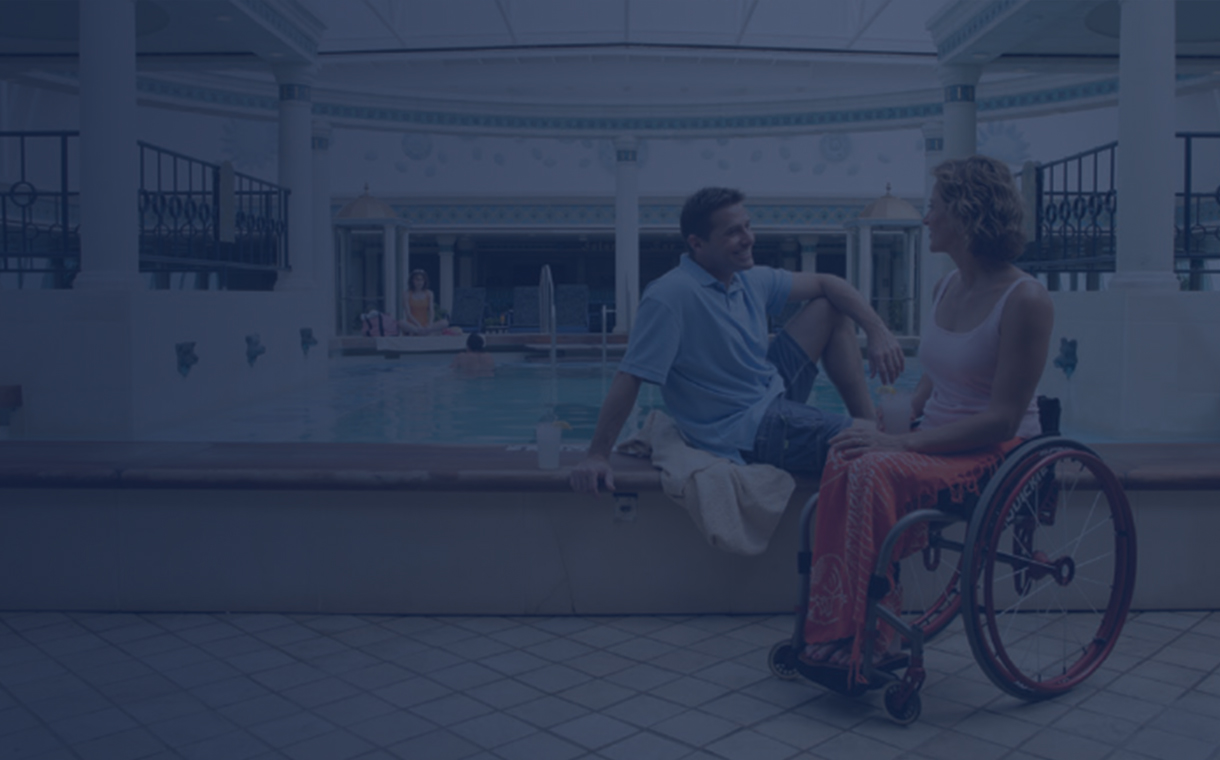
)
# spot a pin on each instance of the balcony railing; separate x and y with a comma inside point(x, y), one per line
point(39, 238)
point(1077, 210)
point(201, 220)
point(1197, 227)
point(210, 220)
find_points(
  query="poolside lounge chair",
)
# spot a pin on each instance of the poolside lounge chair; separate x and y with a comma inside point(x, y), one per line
point(572, 308)
point(525, 309)
point(469, 307)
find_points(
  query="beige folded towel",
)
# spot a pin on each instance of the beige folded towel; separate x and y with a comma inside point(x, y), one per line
point(736, 507)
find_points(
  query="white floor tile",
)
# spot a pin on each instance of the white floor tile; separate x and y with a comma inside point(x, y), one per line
point(695, 728)
point(494, 730)
point(631, 688)
point(594, 731)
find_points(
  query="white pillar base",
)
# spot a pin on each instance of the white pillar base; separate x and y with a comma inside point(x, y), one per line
point(107, 280)
point(1144, 281)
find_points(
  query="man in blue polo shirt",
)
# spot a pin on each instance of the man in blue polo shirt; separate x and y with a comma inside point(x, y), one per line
point(701, 334)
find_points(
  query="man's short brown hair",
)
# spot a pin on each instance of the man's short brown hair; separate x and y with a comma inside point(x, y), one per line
point(697, 211)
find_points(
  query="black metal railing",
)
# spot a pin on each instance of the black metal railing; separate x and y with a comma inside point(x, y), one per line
point(229, 230)
point(207, 219)
point(1076, 215)
point(1074, 228)
point(1197, 227)
point(39, 235)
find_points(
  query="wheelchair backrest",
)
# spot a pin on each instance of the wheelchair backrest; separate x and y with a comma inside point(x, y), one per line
point(1048, 415)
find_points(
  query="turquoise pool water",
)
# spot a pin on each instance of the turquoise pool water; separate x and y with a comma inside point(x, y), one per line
point(417, 399)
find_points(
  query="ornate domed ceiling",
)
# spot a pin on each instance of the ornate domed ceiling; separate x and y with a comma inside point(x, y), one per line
point(650, 53)
point(626, 66)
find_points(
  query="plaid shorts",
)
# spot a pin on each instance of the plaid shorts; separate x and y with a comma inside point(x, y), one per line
point(793, 435)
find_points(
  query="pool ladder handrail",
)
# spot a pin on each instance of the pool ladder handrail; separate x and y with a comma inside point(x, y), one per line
point(605, 310)
point(554, 331)
point(548, 315)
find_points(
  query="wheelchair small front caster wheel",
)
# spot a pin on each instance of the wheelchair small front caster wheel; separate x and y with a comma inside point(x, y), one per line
point(782, 661)
point(903, 711)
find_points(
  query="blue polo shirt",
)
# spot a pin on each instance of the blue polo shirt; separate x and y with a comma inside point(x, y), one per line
point(706, 346)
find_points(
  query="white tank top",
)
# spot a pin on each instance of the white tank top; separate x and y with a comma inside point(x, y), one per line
point(962, 365)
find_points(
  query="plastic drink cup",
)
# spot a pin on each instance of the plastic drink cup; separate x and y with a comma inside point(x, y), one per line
point(548, 435)
point(895, 411)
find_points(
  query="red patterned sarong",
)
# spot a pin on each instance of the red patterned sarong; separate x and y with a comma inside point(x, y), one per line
point(861, 500)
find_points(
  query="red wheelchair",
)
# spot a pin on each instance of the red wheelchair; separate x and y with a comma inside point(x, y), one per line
point(1041, 565)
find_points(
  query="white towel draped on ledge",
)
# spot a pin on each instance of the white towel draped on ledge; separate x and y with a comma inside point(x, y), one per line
point(736, 507)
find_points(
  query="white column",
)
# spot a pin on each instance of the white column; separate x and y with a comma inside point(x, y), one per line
point(390, 271)
point(465, 265)
point(323, 231)
point(445, 254)
point(960, 112)
point(1146, 158)
point(109, 162)
point(809, 252)
point(296, 171)
point(910, 267)
point(932, 266)
point(933, 154)
point(865, 263)
point(626, 234)
point(345, 319)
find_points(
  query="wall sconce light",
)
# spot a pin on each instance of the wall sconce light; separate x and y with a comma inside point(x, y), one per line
point(186, 357)
point(308, 341)
point(1066, 360)
point(254, 348)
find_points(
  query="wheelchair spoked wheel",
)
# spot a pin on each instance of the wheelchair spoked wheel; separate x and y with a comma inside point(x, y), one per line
point(1051, 567)
point(930, 580)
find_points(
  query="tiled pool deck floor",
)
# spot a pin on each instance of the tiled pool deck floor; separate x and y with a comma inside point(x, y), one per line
point(89, 685)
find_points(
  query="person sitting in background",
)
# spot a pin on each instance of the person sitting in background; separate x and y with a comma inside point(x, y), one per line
point(421, 308)
point(983, 352)
point(474, 360)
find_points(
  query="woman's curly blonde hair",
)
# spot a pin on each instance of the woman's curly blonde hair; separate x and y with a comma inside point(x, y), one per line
point(980, 194)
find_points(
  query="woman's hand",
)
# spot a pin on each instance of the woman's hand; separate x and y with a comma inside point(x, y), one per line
point(858, 440)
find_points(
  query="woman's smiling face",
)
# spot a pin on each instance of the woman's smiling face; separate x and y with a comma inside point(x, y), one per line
point(944, 230)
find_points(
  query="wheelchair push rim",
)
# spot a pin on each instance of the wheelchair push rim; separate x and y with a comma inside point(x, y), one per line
point(1051, 571)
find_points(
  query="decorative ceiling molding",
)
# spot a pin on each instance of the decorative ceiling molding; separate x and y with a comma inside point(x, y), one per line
point(640, 125)
point(599, 216)
point(998, 102)
point(289, 21)
point(955, 26)
point(1078, 93)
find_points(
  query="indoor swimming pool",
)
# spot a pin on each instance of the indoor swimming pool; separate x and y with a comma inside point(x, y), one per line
point(418, 399)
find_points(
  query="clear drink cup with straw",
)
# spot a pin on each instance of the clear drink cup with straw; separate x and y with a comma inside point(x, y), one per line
point(548, 434)
point(895, 408)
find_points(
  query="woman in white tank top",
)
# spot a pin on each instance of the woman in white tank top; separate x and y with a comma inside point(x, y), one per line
point(983, 352)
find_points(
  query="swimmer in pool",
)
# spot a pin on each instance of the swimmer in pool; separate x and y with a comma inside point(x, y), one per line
point(474, 360)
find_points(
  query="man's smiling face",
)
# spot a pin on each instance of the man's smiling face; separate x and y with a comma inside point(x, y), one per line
point(729, 247)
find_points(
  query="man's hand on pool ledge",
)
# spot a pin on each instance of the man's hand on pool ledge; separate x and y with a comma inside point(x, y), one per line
point(586, 476)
